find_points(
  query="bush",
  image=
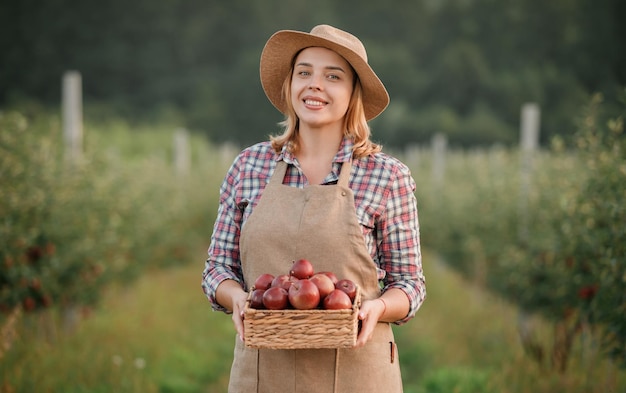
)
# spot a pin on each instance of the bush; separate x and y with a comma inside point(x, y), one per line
point(558, 248)
point(595, 238)
point(69, 229)
point(455, 380)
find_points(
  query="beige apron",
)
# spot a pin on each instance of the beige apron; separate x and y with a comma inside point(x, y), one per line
point(318, 223)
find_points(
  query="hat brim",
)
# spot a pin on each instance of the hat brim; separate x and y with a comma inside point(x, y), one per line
point(276, 61)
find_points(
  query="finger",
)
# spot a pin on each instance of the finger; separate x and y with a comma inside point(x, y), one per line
point(237, 321)
point(237, 317)
point(367, 331)
point(367, 326)
point(370, 313)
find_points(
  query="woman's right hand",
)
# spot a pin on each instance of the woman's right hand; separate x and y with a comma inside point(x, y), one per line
point(231, 295)
point(239, 303)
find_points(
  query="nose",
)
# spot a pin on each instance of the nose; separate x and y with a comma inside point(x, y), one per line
point(315, 82)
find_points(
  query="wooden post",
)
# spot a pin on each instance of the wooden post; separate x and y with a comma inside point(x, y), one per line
point(439, 145)
point(72, 119)
point(412, 157)
point(182, 157)
point(228, 152)
point(529, 140)
point(72, 102)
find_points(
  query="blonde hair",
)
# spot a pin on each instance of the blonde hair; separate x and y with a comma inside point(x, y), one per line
point(356, 126)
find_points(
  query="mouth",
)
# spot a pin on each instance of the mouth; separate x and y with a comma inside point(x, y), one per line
point(314, 102)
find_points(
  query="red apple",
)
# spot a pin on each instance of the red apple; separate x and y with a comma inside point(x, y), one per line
point(337, 300)
point(302, 268)
point(304, 295)
point(256, 299)
point(324, 284)
point(264, 281)
point(275, 298)
point(348, 286)
point(283, 280)
point(332, 276)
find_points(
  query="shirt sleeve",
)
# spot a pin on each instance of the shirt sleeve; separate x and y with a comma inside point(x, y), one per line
point(223, 262)
point(400, 252)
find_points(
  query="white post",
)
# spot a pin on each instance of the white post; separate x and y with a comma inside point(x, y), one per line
point(228, 152)
point(529, 137)
point(182, 158)
point(439, 145)
point(72, 102)
point(412, 155)
point(529, 140)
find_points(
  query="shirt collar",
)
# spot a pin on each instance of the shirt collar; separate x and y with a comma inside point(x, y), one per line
point(345, 150)
point(344, 153)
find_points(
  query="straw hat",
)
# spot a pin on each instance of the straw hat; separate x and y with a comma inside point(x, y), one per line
point(281, 48)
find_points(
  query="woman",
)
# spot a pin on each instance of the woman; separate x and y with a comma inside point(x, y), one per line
point(325, 192)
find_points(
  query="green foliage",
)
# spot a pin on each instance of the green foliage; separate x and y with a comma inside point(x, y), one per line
point(596, 236)
point(456, 380)
point(157, 336)
point(198, 61)
point(554, 245)
point(67, 229)
point(29, 252)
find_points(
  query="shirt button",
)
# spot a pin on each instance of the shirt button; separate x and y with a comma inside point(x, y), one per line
point(343, 193)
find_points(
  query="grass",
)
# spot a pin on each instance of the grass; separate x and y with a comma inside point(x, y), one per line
point(157, 336)
point(160, 335)
point(465, 340)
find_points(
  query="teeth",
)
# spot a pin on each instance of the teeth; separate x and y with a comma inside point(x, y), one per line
point(314, 103)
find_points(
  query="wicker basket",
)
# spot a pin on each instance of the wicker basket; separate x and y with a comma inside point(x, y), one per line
point(300, 329)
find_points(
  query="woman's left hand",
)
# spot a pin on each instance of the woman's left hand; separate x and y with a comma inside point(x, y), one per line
point(370, 313)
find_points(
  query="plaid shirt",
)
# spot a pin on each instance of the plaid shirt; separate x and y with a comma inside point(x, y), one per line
point(385, 205)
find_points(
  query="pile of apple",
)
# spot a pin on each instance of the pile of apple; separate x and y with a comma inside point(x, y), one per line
point(303, 289)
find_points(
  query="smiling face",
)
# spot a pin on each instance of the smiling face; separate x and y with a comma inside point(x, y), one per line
point(321, 86)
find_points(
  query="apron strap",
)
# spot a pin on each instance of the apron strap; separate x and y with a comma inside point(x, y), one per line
point(279, 173)
point(344, 175)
